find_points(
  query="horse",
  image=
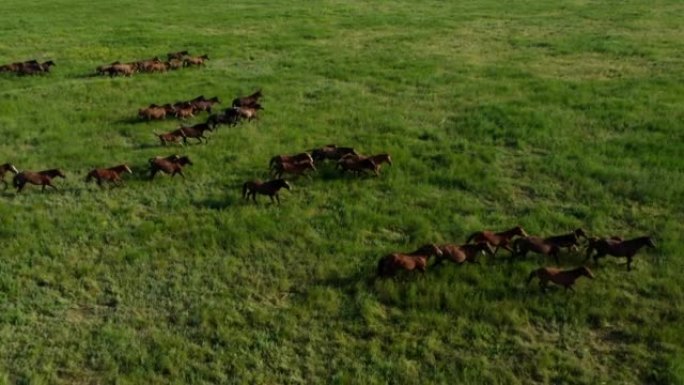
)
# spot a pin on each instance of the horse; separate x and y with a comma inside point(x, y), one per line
point(195, 60)
point(292, 168)
point(111, 174)
point(269, 188)
point(357, 164)
point(3, 170)
point(390, 264)
point(535, 244)
point(331, 152)
point(618, 248)
point(570, 240)
point(499, 240)
point(172, 164)
point(43, 178)
point(171, 136)
point(177, 55)
point(203, 104)
point(565, 278)
point(247, 113)
point(247, 101)
point(153, 112)
point(184, 110)
point(196, 131)
point(303, 157)
point(463, 253)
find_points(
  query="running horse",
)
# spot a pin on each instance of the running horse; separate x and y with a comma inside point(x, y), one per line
point(43, 178)
point(3, 170)
point(617, 248)
point(569, 240)
point(565, 278)
point(499, 240)
point(270, 188)
point(111, 174)
point(172, 164)
point(391, 264)
point(535, 244)
point(463, 253)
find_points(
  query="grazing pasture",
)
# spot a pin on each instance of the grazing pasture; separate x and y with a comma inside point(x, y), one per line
point(551, 116)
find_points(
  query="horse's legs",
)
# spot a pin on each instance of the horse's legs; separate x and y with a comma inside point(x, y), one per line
point(253, 196)
point(277, 198)
point(555, 256)
point(597, 256)
point(629, 263)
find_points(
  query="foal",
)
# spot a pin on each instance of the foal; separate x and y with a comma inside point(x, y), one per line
point(3, 170)
point(617, 248)
point(112, 175)
point(499, 240)
point(43, 178)
point(564, 278)
point(463, 253)
point(269, 188)
point(391, 264)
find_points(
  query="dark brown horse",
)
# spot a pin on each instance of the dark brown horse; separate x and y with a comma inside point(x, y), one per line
point(4, 169)
point(111, 174)
point(195, 60)
point(292, 168)
point(170, 165)
point(196, 132)
point(201, 104)
point(270, 188)
point(537, 245)
point(499, 240)
point(570, 240)
point(43, 178)
point(391, 264)
point(357, 164)
point(618, 248)
point(247, 101)
point(463, 253)
point(331, 152)
point(565, 278)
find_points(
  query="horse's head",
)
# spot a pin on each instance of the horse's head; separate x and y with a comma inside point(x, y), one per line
point(257, 106)
point(586, 272)
point(309, 165)
point(183, 160)
point(387, 158)
point(649, 242)
point(57, 173)
point(205, 57)
point(10, 167)
point(580, 233)
point(520, 231)
point(282, 183)
point(215, 99)
point(127, 169)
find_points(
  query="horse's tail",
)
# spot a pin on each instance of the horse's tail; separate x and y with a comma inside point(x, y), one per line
point(531, 276)
point(472, 236)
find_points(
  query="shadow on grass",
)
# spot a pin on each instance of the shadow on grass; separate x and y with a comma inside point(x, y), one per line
point(218, 203)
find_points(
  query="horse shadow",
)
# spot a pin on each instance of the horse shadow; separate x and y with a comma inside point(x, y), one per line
point(217, 203)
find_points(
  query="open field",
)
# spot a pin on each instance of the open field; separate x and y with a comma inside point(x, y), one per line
point(495, 114)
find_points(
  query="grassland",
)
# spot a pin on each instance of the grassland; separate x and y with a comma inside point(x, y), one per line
point(550, 116)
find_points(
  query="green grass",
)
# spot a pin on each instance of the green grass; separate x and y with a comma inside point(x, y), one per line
point(496, 113)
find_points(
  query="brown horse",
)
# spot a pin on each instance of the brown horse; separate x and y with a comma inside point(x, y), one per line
point(391, 264)
point(201, 104)
point(247, 101)
point(570, 240)
point(564, 278)
point(618, 248)
point(170, 165)
point(195, 60)
point(196, 132)
point(464, 253)
point(331, 152)
point(111, 174)
point(499, 240)
point(153, 112)
point(184, 110)
point(303, 157)
point(269, 188)
point(3, 170)
point(292, 168)
point(177, 55)
point(357, 164)
point(171, 136)
point(537, 245)
point(43, 178)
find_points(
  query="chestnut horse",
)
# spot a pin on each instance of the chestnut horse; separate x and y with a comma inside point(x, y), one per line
point(3, 170)
point(499, 240)
point(535, 244)
point(570, 240)
point(303, 157)
point(172, 164)
point(43, 178)
point(464, 253)
point(564, 278)
point(269, 188)
point(618, 248)
point(292, 168)
point(357, 164)
point(391, 264)
point(111, 174)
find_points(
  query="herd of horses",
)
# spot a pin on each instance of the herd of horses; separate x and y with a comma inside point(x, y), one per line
point(175, 61)
point(518, 243)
